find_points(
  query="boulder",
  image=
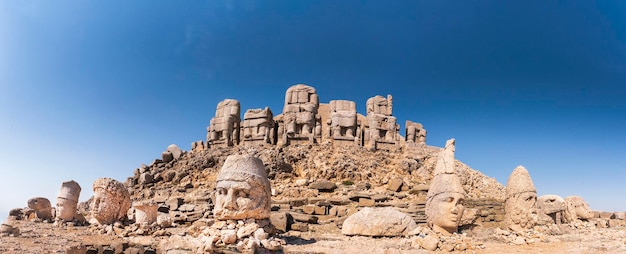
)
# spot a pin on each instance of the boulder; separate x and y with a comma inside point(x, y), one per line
point(323, 185)
point(385, 221)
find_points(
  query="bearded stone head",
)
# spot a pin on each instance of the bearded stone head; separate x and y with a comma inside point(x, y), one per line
point(111, 201)
point(243, 190)
point(520, 206)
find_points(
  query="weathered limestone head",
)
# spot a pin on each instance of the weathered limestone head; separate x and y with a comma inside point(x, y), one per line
point(111, 201)
point(444, 201)
point(67, 200)
point(576, 208)
point(550, 204)
point(243, 189)
point(520, 206)
point(42, 207)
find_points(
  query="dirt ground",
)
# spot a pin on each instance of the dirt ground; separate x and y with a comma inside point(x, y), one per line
point(48, 238)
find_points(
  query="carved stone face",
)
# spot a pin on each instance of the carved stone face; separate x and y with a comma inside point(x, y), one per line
point(242, 190)
point(521, 210)
point(111, 201)
point(446, 211)
point(576, 208)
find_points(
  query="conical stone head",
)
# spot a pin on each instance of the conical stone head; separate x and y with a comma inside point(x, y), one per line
point(519, 181)
point(520, 207)
point(444, 201)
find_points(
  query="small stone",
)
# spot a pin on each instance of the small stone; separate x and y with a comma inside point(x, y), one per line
point(247, 230)
point(430, 242)
point(260, 234)
point(228, 236)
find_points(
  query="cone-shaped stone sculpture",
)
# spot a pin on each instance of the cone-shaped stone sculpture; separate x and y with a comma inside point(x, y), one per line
point(445, 196)
point(520, 206)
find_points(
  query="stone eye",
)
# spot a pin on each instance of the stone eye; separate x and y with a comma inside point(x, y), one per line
point(221, 191)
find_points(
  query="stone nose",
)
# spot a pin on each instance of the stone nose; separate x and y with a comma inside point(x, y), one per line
point(230, 202)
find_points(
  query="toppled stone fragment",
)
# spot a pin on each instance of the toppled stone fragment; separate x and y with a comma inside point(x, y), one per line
point(385, 221)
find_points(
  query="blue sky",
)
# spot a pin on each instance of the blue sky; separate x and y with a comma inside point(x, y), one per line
point(91, 89)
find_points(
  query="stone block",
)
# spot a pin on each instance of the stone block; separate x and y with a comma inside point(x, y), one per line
point(332, 211)
point(298, 226)
point(620, 216)
point(281, 220)
point(395, 184)
point(308, 209)
point(366, 202)
point(320, 210)
point(323, 185)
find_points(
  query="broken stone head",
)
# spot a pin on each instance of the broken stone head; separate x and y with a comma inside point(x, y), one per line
point(520, 206)
point(111, 201)
point(243, 189)
point(444, 201)
point(576, 208)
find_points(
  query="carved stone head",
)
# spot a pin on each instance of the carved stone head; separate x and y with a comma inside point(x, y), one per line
point(576, 208)
point(520, 206)
point(111, 201)
point(444, 201)
point(42, 207)
point(243, 189)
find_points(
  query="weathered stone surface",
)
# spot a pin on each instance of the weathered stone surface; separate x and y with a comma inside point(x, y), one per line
point(323, 185)
point(550, 204)
point(576, 209)
point(167, 156)
point(343, 124)
point(111, 201)
point(258, 126)
point(281, 220)
point(394, 184)
point(385, 221)
point(521, 201)
point(381, 127)
point(175, 150)
point(224, 127)
point(445, 196)
point(42, 207)
point(146, 212)
point(243, 189)
point(415, 133)
point(67, 200)
point(300, 120)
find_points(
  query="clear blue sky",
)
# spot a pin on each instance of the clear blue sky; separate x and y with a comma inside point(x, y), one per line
point(94, 89)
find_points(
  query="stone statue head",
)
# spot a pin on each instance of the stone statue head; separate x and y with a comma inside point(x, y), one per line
point(520, 206)
point(243, 189)
point(576, 208)
point(111, 201)
point(444, 201)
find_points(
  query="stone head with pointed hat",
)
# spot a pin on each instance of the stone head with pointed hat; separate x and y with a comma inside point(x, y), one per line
point(444, 201)
point(520, 206)
point(243, 189)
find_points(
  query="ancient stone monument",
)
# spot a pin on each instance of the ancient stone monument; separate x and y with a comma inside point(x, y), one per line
point(520, 206)
point(300, 122)
point(224, 127)
point(343, 126)
point(576, 209)
point(258, 126)
point(444, 200)
point(243, 189)
point(550, 209)
point(67, 201)
point(242, 207)
point(111, 201)
point(381, 129)
point(42, 207)
point(415, 133)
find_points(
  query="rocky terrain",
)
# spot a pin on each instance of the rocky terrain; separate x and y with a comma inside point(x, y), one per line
point(314, 189)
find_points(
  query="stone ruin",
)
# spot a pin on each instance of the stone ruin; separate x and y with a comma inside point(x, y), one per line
point(258, 127)
point(224, 127)
point(576, 209)
point(111, 201)
point(305, 120)
point(550, 209)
